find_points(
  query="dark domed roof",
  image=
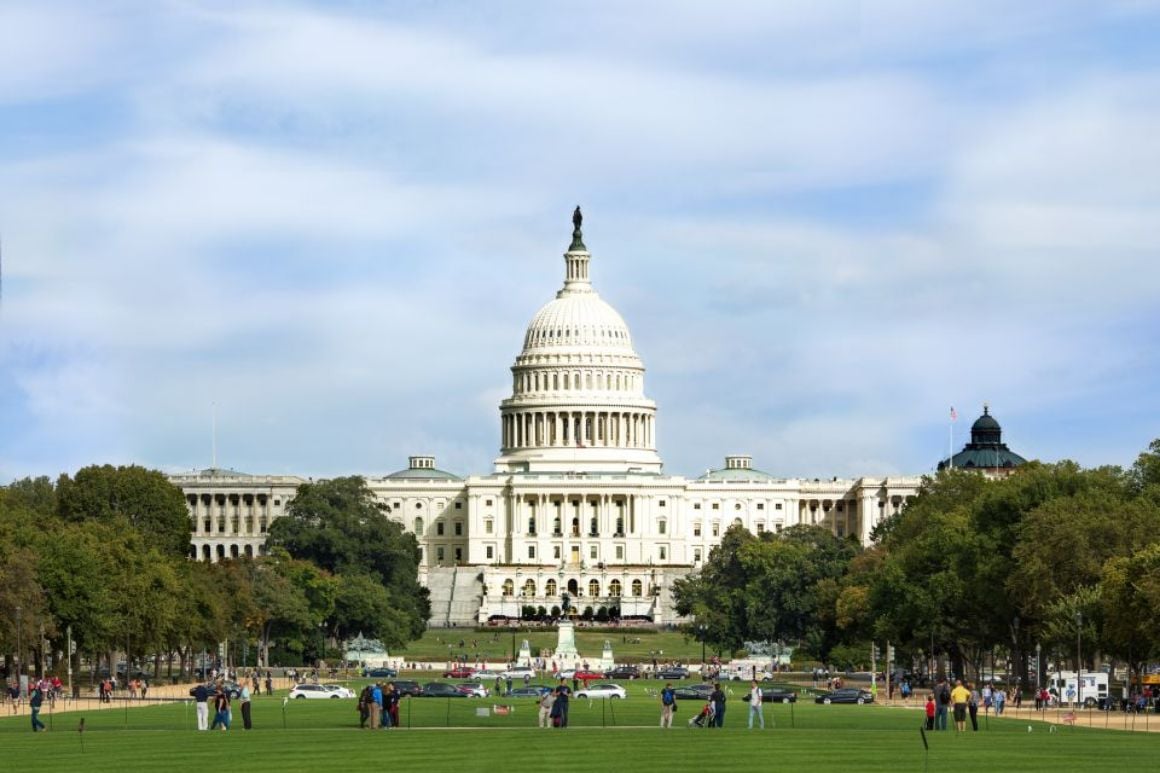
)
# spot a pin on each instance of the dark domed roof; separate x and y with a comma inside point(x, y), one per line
point(985, 422)
point(986, 451)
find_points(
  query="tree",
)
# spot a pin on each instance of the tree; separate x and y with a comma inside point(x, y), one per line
point(145, 498)
point(341, 527)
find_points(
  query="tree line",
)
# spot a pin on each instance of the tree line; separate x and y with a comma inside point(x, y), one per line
point(103, 556)
point(971, 571)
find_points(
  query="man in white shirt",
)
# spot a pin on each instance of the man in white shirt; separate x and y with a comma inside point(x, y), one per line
point(755, 705)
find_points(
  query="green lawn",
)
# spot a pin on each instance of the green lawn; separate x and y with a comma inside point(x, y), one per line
point(496, 644)
point(313, 735)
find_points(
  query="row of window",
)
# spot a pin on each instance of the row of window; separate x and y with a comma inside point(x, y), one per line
point(529, 588)
point(537, 381)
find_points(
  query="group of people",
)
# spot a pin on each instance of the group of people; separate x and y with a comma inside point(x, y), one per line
point(554, 706)
point(223, 712)
point(378, 705)
point(712, 712)
point(964, 700)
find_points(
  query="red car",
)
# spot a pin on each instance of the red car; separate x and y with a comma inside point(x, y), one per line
point(589, 676)
point(459, 672)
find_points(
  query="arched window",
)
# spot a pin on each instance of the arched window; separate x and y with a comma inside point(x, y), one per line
point(737, 522)
point(594, 588)
point(573, 587)
point(637, 588)
point(614, 588)
point(509, 588)
point(550, 588)
point(575, 527)
point(529, 588)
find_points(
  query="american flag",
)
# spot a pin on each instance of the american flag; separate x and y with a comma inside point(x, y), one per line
point(954, 416)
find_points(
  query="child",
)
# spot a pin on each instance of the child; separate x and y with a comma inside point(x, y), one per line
point(930, 711)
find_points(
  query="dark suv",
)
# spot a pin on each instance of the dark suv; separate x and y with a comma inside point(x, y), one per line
point(673, 672)
point(623, 672)
point(407, 687)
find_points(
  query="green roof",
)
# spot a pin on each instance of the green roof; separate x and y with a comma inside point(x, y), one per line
point(737, 474)
point(422, 473)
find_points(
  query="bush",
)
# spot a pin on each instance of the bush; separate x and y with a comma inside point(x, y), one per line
point(587, 615)
point(602, 615)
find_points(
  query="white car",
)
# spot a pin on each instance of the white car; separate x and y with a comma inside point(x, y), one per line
point(567, 673)
point(606, 690)
point(487, 676)
point(343, 692)
point(519, 672)
point(320, 691)
point(473, 690)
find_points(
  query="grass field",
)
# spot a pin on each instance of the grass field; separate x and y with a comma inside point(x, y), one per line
point(614, 735)
point(496, 645)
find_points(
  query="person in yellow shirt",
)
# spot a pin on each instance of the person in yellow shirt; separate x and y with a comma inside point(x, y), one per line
point(959, 697)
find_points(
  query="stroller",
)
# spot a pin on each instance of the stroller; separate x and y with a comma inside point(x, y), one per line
point(704, 717)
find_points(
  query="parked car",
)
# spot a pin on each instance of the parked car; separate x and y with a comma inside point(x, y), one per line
point(566, 673)
point(380, 673)
point(774, 695)
point(673, 672)
point(694, 692)
point(407, 687)
point(519, 672)
point(587, 676)
point(338, 689)
point(606, 690)
point(233, 690)
point(459, 672)
point(441, 690)
point(623, 672)
point(484, 675)
point(535, 691)
point(845, 695)
point(473, 690)
point(314, 691)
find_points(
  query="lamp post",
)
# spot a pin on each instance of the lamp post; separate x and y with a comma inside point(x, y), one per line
point(701, 628)
point(19, 644)
point(1038, 670)
point(1078, 659)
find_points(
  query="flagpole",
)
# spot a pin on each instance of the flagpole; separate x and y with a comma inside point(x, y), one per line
point(951, 441)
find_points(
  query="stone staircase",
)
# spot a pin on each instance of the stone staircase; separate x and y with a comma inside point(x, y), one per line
point(455, 596)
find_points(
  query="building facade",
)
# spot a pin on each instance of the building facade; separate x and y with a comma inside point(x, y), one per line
point(578, 502)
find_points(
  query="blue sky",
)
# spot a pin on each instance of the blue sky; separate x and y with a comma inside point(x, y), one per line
point(825, 224)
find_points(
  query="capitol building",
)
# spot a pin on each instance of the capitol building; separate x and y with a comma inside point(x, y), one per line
point(578, 501)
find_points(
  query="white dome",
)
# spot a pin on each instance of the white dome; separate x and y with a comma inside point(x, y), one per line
point(578, 320)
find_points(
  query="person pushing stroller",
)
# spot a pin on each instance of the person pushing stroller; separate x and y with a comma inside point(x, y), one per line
point(704, 717)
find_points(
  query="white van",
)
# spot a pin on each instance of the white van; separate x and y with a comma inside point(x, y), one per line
point(1092, 691)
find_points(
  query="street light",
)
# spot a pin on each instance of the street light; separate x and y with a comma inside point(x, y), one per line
point(19, 644)
point(1038, 670)
point(701, 628)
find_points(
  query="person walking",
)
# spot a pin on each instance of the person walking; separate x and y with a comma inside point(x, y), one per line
point(999, 698)
point(364, 707)
point(668, 705)
point(201, 701)
point(973, 707)
point(960, 696)
point(930, 711)
point(245, 699)
point(34, 702)
point(755, 707)
point(547, 700)
point(717, 698)
point(221, 704)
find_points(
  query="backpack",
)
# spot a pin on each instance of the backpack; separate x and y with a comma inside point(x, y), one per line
point(944, 696)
